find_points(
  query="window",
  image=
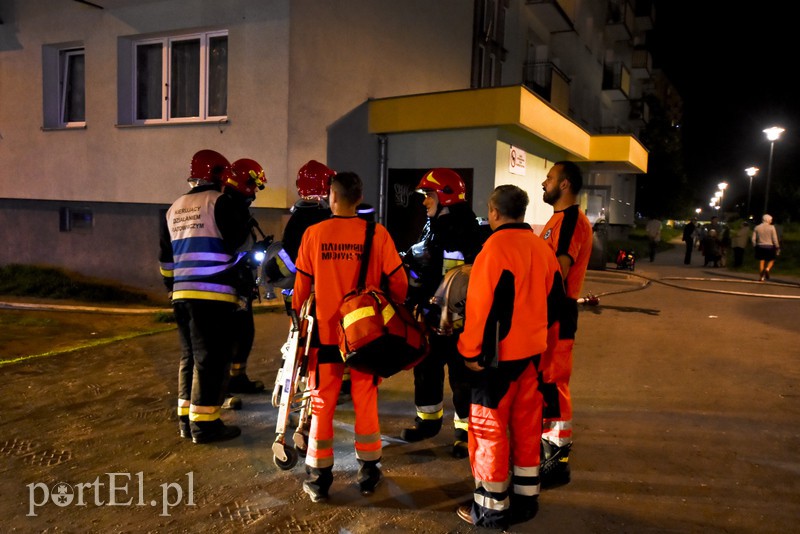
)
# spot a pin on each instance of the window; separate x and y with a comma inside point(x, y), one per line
point(75, 219)
point(488, 53)
point(64, 86)
point(73, 87)
point(179, 78)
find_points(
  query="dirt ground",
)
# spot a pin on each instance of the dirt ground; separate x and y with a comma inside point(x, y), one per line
point(686, 420)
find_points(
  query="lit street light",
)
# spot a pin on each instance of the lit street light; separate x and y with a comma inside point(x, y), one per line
point(751, 171)
point(722, 187)
point(773, 133)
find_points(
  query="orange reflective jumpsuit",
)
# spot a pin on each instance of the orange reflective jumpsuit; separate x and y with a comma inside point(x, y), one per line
point(569, 233)
point(512, 280)
point(329, 259)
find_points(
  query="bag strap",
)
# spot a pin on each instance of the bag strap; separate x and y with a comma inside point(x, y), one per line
point(362, 273)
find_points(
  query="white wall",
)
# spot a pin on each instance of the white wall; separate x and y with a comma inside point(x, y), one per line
point(345, 53)
point(149, 164)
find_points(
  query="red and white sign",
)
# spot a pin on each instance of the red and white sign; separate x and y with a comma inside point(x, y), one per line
point(516, 161)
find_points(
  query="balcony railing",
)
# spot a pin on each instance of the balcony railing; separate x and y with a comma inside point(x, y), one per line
point(620, 20)
point(645, 14)
point(548, 81)
point(640, 111)
point(641, 63)
point(616, 81)
point(555, 15)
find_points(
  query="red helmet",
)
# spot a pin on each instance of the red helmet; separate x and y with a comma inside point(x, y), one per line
point(245, 176)
point(448, 185)
point(314, 179)
point(208, 165)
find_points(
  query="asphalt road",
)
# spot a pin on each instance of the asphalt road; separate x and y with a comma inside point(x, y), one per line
point(686, 420)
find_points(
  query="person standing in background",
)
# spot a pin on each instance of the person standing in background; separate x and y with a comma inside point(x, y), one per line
point(767, 245)
point(689, 234)
point(739, 242)
point(653, 230)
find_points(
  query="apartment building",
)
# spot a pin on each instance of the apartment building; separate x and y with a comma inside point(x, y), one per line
point(103, 103)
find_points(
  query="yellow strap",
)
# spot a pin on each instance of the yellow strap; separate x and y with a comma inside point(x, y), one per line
point(357, 315)
point(387, 313)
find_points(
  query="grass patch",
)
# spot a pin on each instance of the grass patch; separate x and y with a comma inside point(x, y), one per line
point(52, 283)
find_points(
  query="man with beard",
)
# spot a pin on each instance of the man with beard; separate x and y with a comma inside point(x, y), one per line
point(569, 234)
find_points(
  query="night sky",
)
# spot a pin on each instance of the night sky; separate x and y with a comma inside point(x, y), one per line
point(736, 67)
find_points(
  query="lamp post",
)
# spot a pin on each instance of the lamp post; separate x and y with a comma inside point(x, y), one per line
point(773, 134)
point(751, 172)
point(722, 187)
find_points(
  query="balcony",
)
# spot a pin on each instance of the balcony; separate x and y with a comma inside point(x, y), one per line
point(641, 63)
point(555, 15)
point(620, 20)
point(549, 82)
point(640, 112)
point(645, 11)
point(616, 81)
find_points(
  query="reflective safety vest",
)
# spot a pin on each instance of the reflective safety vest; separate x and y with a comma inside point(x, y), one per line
point(201, 267)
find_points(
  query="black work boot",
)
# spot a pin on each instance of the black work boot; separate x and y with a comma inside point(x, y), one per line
point(241, 383)
point(318, 483)
point(422, 429)
point(183, 426)
point(369, 475)
point(460, 446)
point(523, 508)
point(554, 468)
point(211, 431)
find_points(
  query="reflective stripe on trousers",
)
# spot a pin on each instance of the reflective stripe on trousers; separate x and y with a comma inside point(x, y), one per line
point(516, 419)
point(556, 372)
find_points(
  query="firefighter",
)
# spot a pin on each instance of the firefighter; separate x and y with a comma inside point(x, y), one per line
point(199, 238)
point(241, 182)
point(514, 283)
point(313, 186)
point(569, 234)
point(329, 260)
point(450, 237)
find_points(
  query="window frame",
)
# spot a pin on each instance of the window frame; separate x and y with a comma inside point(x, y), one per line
point(64, 66)
point(55, 72)
point(167, 41)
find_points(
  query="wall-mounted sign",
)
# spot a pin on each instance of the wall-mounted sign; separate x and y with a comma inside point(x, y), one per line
point(516, 161)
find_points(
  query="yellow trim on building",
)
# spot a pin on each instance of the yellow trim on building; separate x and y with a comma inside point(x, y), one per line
point(505, 107)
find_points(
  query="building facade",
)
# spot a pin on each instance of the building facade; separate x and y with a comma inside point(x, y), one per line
point(103, 104)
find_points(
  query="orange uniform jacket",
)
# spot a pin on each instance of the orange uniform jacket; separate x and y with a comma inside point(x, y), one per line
point(329, 258)
point(569, 232)
point(507, 297)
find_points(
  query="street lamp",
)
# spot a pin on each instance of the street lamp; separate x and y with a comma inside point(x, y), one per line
point(773, 133)
point(751, 171)
point(722, 187)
